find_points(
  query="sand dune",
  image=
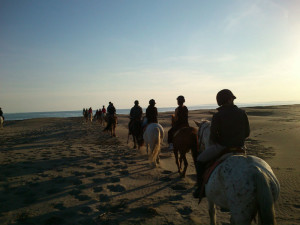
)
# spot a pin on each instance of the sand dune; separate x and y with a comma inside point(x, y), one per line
point(66, 171)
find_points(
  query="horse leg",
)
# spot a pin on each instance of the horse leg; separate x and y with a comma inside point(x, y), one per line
point(176, 159)
point(134, 141)
point(185, 165)
point(212, 212)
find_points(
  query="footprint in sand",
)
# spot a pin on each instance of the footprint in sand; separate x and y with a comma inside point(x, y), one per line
point(179, 187)
point(107, 173)
point(165, 179)
point(176, 198)
point(185, 211)
point(82, 197)
point(104, 198)
point(297, 206)
point(114, 179)
point(98, 189)
point(166, 172)
point(86, 209)
point(124, 172)
point(116, 188)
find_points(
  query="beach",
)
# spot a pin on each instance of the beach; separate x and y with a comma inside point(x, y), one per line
point(68, 171)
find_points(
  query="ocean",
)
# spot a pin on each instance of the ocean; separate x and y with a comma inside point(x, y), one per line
point(78, 113)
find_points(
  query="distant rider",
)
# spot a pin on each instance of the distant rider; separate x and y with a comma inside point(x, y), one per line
point(229, 129)
point(181, 119)
point(103, 110)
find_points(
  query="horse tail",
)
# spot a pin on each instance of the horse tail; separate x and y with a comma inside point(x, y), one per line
point(156, 144)
point(264, 198)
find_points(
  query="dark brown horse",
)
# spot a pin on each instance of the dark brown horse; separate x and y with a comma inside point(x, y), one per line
point(185, 139)
point(136, 130)
point(111, 124)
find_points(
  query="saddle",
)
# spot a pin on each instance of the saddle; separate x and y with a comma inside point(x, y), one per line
point(212, 165)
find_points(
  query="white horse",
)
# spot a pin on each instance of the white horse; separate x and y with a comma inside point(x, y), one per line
point(244, 185)
point(1, 121)
point(102, 119)
point(153, 137)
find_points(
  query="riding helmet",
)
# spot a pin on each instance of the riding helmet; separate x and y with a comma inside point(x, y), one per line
point(136, 102)
point(181, 98)
point(223, 96)
point(152, 102)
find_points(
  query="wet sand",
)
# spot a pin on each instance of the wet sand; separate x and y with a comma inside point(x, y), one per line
point(67, 171)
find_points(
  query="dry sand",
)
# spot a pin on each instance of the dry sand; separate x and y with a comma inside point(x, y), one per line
point(66, 171)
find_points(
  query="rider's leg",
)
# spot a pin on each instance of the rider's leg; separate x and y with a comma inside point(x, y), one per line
point(200, 168)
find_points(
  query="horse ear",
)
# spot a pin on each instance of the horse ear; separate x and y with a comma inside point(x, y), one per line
point(197, 123)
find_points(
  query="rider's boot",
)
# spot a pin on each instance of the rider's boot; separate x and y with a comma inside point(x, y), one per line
point(200, 168)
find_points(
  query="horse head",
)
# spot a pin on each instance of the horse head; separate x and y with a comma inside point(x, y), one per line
point(203, 133)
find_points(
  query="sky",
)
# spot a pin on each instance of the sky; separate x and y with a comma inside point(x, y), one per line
point(65, 55)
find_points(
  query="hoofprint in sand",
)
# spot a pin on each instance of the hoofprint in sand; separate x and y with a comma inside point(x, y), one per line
point(66, 171)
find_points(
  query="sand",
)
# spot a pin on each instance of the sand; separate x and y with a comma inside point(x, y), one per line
point(66, 171)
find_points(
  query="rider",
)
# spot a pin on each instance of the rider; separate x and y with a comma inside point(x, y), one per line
point(111, 110)
point(229, 129)
point(136, 113)
point(181, 119)
point(151, 112)
point(103, 110)
point(111, 113)
point(1, 113)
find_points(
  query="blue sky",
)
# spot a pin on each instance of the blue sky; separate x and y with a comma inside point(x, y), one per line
point(66, 55)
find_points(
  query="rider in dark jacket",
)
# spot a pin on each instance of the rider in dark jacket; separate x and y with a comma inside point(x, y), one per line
point(229, 129)
point(136, 113)
point(181, 119)
point(151, 112)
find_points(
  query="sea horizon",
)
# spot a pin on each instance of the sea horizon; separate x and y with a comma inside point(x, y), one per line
point(78, 113)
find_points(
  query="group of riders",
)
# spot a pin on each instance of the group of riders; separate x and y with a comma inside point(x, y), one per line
point(229, 129)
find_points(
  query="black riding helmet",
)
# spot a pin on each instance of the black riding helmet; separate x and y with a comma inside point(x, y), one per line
point(180, 98)
point(152, 102)
point(223, 96)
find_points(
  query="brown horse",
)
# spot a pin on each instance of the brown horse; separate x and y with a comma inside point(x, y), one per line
point(136, 130)
point(111, 124)
point(185, 139)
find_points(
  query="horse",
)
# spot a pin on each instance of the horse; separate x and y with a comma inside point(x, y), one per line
point(184, 139)
point(153, 137)
point(244, 185)
point(102, 119)
point(136, 130)
point(111, 124)
point(90, 117)
point(1, 122)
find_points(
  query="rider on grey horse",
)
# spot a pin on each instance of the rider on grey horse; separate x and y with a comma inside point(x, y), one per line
point(151, 112)
point(229, 129)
